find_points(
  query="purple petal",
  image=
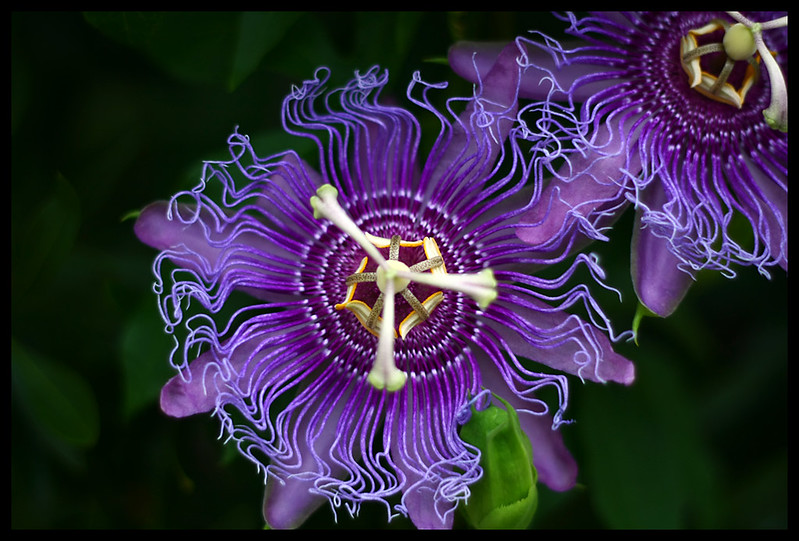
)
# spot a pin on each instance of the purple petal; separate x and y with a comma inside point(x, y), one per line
point(497, 101)
point(559, 340)
point(218, 250)
point(196, 394)
point(154, 229)
point(291, 495)
point(500, 84)
point(563, 204)
point(197, 388)
point(289, 503)
point(420, 503)
point(419, 496)
point(206, 241)
point(556, 467)
point(470, 58)
point(774, 195)
point(431, 460)
point(658, 280)
point(168, 226)
point(587, 192)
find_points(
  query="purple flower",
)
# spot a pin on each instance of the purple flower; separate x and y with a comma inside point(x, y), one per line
point(277, 281)
point(680, 114)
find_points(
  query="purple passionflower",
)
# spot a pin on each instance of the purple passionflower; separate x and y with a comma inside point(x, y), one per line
point(278, 286)
point(682, 114)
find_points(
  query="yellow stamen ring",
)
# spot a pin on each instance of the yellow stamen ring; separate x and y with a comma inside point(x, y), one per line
point(421, 310)
point(713, 86)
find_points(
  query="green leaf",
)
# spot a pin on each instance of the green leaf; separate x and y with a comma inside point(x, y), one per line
point(145, 350)
point(45, 239)
point(305, 51)
point(258, 33)
point(215, 48)
point(59, 400)
point(646, 465)
point(188, 46)
point(385, 38)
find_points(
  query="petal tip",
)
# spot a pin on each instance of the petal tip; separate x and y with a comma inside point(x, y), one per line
point(148, 226)
point(288, 503)
point(179, 399)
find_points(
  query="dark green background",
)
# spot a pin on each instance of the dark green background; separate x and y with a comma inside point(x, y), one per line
point(112, 111)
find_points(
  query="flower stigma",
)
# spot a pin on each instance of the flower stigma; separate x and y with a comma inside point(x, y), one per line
point(392, 277)
point(722, 61)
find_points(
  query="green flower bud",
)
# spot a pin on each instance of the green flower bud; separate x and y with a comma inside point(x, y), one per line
point(506, 496)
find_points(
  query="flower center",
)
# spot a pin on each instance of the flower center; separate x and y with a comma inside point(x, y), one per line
point(722, 61)
point(367, 304)
point(394, 276)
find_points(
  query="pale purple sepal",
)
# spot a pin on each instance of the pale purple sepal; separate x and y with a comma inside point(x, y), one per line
point(659, 282)
point(288, 503)
point(561, 341)
point(465, 56)
point(189, 394)
point(420, 503)
point(773, 195)
point(290, 497)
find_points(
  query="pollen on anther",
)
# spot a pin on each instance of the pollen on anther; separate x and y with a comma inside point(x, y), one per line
point(420, 309)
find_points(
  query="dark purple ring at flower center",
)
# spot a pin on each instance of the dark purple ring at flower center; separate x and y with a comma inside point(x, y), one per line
point(392, 277)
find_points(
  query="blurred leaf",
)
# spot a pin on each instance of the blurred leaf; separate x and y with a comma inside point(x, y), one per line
point(44, 240)
point(386, 38)
point(407, 31)
point(59, 401)
point(20, 86)
point(275, 141)
point(145, 349)
point(305, 51)
point(209, 48)
point(258, 33)
point(647, 465)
